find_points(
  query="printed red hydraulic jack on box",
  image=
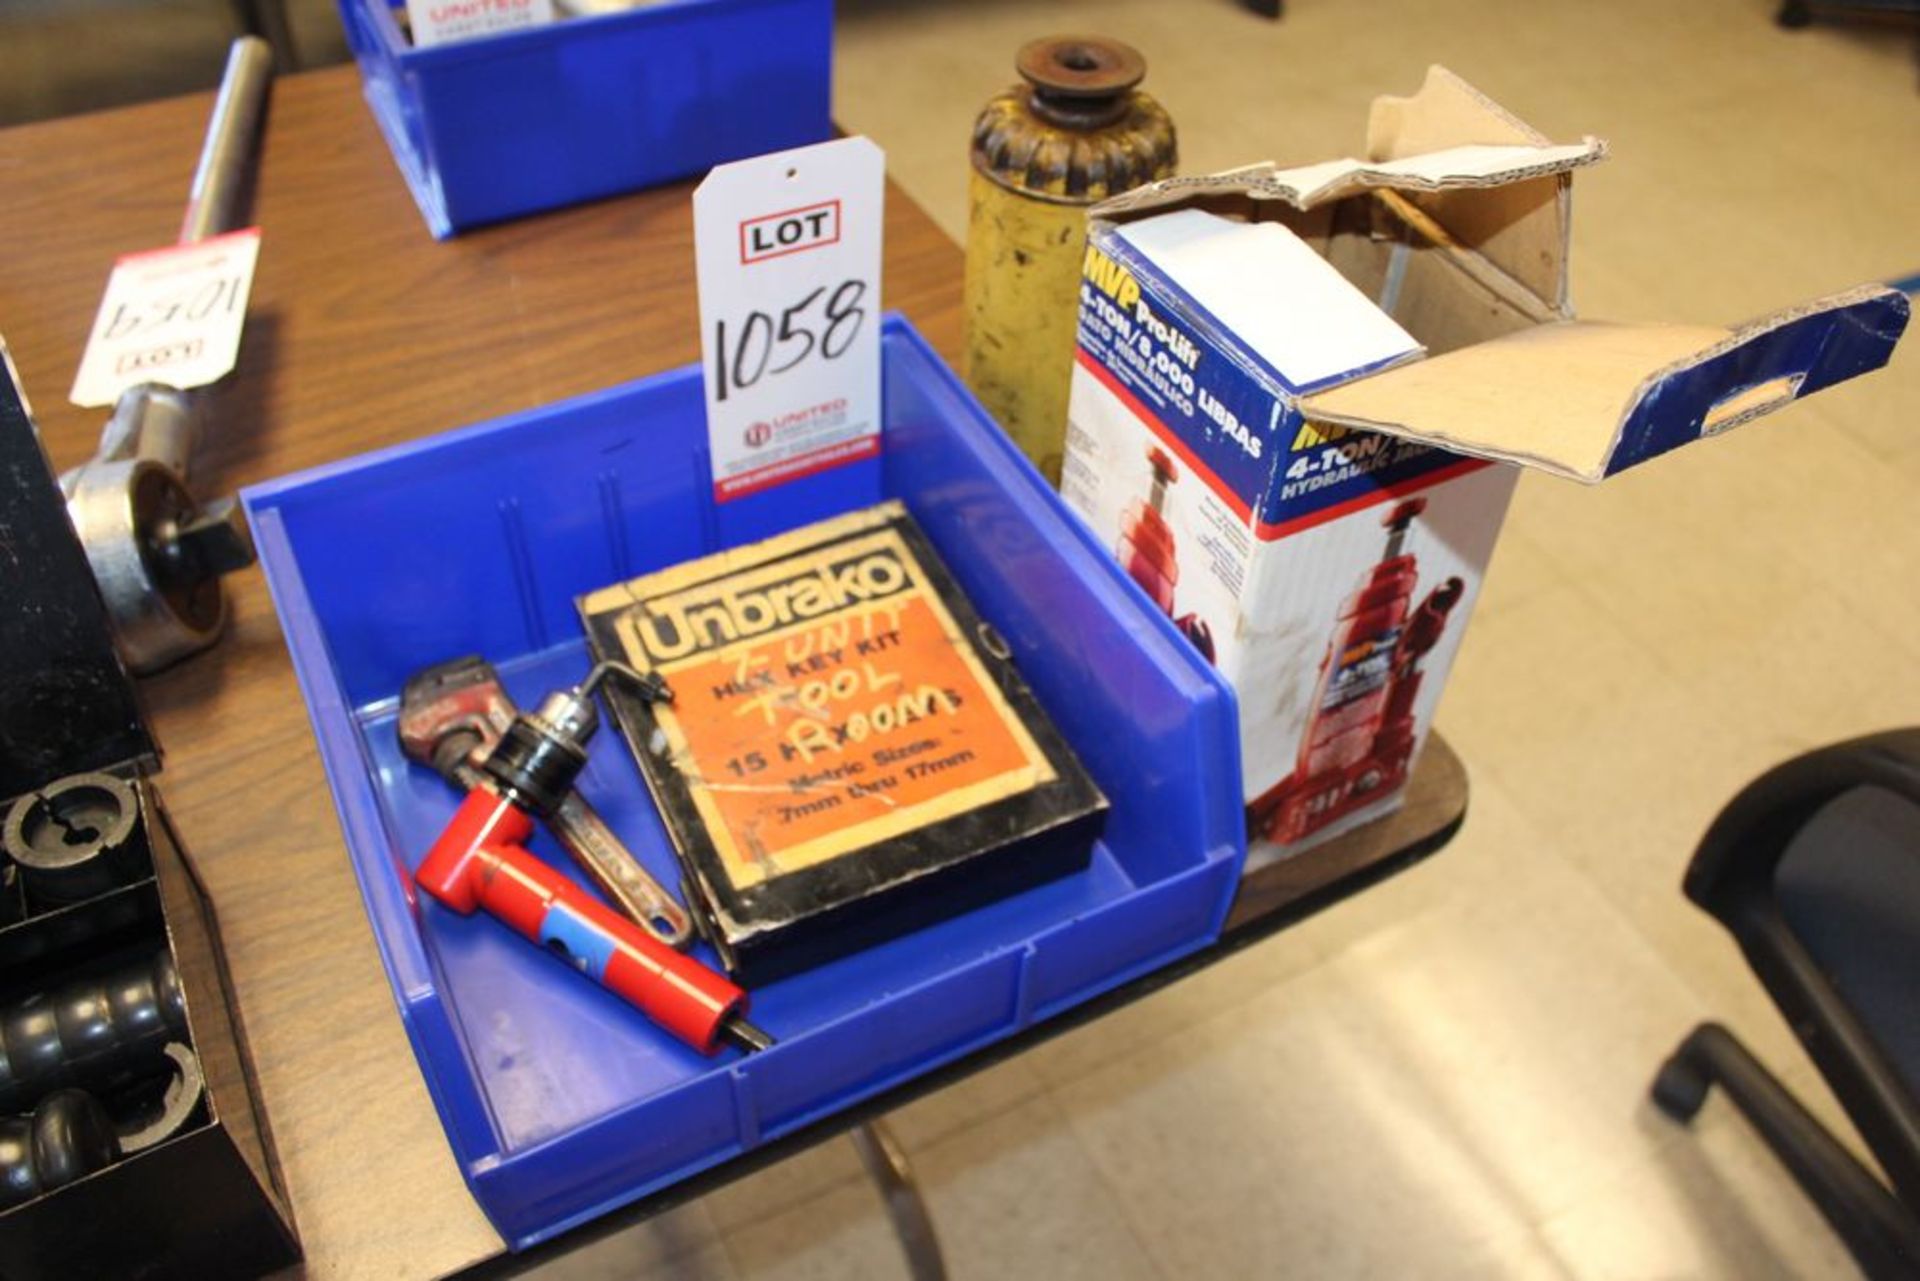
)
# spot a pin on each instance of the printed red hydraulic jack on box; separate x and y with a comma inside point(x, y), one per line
point(1296, 390)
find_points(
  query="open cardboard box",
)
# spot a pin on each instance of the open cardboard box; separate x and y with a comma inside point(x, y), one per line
point(1320, 351)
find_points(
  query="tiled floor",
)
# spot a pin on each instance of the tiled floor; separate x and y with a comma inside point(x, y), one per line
point(1446, 1077)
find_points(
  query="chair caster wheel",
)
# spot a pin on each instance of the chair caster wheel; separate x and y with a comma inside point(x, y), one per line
point(1680, 1089)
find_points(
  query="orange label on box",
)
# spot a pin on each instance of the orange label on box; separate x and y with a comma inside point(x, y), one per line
point(824, 701)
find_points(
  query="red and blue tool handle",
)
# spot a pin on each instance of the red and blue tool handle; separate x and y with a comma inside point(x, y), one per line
point(481, 862)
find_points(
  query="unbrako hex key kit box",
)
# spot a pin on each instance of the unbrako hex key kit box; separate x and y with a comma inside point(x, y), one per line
point(1302, 397)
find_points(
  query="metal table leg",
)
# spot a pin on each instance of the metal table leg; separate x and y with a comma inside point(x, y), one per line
point(888, 1167)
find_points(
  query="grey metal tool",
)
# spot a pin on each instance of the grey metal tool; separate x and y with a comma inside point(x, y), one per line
point(452, 714)
point(157, 553)
point(74, 838)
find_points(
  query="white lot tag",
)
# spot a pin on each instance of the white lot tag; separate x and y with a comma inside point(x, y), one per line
point(788, 251)
point(444, 21)
point(169, 316)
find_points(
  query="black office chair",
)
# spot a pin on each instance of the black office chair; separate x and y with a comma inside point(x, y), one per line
point(1815, 869)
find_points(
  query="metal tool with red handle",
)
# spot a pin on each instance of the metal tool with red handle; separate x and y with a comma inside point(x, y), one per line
point(481, 863)
point(452, 715)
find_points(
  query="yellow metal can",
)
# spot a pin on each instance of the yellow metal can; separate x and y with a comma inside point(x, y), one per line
point(1075, 132)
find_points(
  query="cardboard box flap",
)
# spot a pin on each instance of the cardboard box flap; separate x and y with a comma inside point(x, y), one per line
point(1471, 166)
point(1446, 112)
point(1523, 226)
point(1498, 187)
point(1587, 399)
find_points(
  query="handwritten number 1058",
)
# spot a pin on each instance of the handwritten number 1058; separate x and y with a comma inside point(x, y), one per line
point(792, 338)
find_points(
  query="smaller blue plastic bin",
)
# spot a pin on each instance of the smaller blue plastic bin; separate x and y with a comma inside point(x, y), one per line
point(560, 1101)
point(501, 126)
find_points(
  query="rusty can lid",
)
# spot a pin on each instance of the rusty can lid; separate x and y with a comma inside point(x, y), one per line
point(1079, 129)
point(1080, 81)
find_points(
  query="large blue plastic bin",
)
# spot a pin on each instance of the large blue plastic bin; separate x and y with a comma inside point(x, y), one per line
point(505, 125)
point(560, 1101)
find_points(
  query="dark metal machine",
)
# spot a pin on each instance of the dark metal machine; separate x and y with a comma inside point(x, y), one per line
point(123, 1076)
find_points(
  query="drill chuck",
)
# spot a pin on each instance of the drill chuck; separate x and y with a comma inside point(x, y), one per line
point(534, 766)
point(540, 756)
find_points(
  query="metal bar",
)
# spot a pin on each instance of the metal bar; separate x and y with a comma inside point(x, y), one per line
point(220, 178)
point(892, 1173)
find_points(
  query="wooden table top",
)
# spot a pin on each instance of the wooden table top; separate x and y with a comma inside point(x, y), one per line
point(362, 331)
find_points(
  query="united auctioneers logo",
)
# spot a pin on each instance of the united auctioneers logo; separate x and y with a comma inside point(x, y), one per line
point(758, 434)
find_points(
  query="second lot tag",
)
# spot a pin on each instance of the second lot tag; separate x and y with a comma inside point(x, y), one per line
point(170, 316)
point(788, 253)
